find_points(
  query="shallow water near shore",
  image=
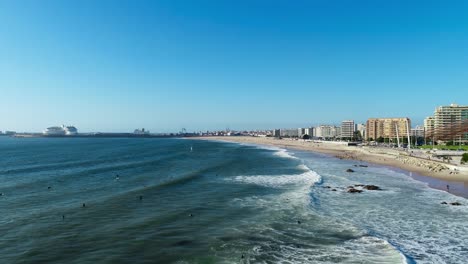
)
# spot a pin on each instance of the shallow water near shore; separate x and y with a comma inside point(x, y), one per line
point(454, 187)
point(219, 203)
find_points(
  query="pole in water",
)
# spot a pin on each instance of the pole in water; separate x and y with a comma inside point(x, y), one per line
point(63, 217)
point(84, 205)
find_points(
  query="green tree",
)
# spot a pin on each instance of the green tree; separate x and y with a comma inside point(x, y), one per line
point(380, 140)
point(464, 157)
point(305, 137)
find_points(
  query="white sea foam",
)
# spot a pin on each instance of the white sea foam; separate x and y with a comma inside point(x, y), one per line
point(284, 154)
point(296, 190)
point(308, 178)
point(407, 213)
point(280, 152)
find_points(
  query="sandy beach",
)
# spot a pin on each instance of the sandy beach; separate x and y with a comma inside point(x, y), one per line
point(413, 162)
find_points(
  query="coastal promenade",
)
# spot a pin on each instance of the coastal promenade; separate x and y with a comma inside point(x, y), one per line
point(417, 161)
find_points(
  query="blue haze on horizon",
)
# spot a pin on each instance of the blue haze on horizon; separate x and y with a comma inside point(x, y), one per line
point(164, 65)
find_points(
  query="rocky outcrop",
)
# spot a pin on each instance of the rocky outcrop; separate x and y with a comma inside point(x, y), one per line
point(352, 190)
point(349, 170)
point(372, 187)
point(430, 165)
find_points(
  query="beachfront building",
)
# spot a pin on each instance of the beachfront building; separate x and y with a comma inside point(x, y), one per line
point(276, 132)
point(429, 127)
point(326, 132)
point(302, 131)
point(388, 129)
point(289, 132)
point(417, 131)
point(449, 123)
point(347, 129)
point(361, 128)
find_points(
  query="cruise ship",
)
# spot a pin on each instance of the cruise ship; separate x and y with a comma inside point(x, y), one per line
point(61, 131)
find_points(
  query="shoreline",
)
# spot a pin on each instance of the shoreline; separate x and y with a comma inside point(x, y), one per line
point(436, 174)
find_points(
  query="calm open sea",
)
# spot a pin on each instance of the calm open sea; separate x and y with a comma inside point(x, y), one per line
point(190, 201)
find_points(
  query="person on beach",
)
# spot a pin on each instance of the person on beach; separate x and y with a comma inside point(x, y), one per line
point(448, 188)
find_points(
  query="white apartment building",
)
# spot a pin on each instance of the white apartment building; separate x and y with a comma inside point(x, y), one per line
point(326, 131)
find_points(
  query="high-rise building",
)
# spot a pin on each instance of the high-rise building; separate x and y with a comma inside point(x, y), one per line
point(429, 127)
point(362, 129)
point(311, 131)
point(387, 128)
point(302, 131)
point(347, 129)
point(289, 132)
point(308, 131)
point(326, 131)
point(277, 133)
point(417, 131)
point(449, 123)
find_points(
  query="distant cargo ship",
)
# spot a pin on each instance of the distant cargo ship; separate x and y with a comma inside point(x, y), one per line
point(60, 131)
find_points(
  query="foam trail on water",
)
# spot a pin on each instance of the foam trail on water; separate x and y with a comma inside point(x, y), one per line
point(306, 179)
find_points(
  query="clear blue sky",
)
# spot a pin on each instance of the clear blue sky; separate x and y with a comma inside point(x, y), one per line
point(164, 65)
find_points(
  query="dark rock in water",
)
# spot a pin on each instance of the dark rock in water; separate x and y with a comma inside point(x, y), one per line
point(242, 256)
point(328, 187)
point(349, 170)
point(1, 194)
point(299, 222)
point(141, 197)
point(352, 190)
point(355, 165)
point(191, 215)
point(334, 190)
point(443, 203)
point(372, 187)
point(359, 185)
point(48, 188)
point(455, 203)
point(363, 166)
point(350, 187)
point(183, 243)
point(84, 205)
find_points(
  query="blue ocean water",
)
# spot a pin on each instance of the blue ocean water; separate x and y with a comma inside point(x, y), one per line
point(97, 200)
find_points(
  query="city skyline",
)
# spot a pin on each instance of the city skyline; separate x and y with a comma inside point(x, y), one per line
point(170, 65)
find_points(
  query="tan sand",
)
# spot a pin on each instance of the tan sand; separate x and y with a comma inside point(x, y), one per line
point(383, 156)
